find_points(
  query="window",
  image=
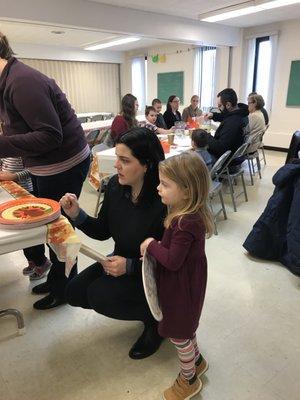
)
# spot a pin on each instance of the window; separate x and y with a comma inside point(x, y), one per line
point(262, 65)
point(138, 75)
point(204, 76)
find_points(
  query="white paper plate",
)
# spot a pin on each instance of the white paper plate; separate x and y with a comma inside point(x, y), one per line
point(150, 288)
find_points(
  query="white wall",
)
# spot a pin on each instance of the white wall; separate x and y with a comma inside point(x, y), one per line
point(284, 121)
point(178, 58)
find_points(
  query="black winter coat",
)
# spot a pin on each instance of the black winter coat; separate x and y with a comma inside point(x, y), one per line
point(276, 234)
point(230, 133)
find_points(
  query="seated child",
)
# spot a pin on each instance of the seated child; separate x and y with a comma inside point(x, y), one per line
point(160, 122)
point(200, 145)
point(151, 115)
point(12, 169)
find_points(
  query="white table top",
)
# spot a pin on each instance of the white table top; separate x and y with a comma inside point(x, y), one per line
point(106, 158)
point(92, 114)
point(106, 124)
point(12, 240)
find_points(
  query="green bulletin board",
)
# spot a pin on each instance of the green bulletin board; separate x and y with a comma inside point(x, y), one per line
point(169, 83)
point(293, 95)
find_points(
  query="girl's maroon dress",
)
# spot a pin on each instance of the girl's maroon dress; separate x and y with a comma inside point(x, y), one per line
point(181, 276)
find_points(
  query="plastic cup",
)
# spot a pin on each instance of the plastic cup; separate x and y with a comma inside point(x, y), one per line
point(165, 146)
point(171, 138)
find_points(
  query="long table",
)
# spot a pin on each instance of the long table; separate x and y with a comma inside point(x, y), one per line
point(106, 158)
point(103, 125)
point(59, 234)
point(88, 116)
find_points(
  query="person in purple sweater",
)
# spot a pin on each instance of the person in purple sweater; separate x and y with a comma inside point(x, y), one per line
point(182, 267)
point(38, 124)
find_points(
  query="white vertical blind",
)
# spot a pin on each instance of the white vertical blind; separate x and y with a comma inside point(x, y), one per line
point(89, 86)
point(250, 58)
point(139, 81)
point(204, 75)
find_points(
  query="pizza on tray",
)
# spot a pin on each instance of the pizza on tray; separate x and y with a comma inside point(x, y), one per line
point(28, 211)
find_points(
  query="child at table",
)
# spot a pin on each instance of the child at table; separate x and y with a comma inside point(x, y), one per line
point(151, 115)
point(181, 264)
point(12, 169)
point(200, 146)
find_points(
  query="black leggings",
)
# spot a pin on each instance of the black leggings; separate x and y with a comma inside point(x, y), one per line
point(120, 298)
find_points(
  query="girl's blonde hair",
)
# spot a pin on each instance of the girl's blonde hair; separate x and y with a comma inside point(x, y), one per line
point(190, 173)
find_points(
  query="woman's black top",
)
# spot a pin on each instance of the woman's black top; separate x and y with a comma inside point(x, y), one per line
point(127, 223)
point(170, 118)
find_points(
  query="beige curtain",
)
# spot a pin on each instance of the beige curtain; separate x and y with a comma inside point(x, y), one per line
point(90, 87)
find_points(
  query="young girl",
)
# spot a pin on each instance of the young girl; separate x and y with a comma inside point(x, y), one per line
point(182, 268)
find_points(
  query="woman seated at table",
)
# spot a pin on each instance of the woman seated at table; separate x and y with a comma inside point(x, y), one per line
point(172, 115)
point(126, 119)
point(131, 212)
point(151, 115)
point(256, 126)
point(192, 111)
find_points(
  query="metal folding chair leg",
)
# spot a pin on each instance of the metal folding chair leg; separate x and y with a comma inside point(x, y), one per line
point(264, 156)
point(214, 217)
point(18, 315)
point(232, 193)
point(258, 166)
point(244, 186)
point(222, 204)
point(250, 171)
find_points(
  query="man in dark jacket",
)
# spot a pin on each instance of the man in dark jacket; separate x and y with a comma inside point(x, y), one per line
point(233, 118)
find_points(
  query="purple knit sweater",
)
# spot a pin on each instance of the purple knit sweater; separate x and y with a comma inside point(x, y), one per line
point(37, 120)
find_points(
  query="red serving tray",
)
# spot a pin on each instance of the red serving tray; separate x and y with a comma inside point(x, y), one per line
point(30, 212)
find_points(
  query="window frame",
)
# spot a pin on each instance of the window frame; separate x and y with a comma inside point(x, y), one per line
point(258, 41)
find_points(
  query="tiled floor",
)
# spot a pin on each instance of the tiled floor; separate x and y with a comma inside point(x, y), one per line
point(249, 329)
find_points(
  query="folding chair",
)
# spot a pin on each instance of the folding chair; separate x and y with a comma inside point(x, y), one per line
point(261, 146)
point(92, 137)
point(230, 175)
point(252, 154)
point(216, 189)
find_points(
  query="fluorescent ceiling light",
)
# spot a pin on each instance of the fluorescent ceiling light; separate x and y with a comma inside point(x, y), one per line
point(113, 43)
point(249, 10)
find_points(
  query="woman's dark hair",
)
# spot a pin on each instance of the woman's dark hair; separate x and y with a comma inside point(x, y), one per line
point(228, 95)
point(170, 99)
point(5, 51)
point(146, 148)
point(128, 109)
point(148, 109)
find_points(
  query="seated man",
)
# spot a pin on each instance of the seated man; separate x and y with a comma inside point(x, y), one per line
point(233, 118)
point(200, 145)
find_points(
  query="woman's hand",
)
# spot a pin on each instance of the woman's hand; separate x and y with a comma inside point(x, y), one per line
point(70, 205)
point(7, 176)
point(116, 266)
point(145, 244)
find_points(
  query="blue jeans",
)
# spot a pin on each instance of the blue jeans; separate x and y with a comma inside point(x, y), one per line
point(54, 187)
